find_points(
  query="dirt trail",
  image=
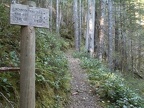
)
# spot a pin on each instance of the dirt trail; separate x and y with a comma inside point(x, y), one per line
point(81, 92)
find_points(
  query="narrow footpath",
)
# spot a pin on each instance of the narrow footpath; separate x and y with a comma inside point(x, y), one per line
point(81, 92)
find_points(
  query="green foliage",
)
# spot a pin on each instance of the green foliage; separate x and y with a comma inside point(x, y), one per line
point(52, 78)
point(52, 69)
point(111, 87)
point(80, 54)
point(135, 83)
point(4, 84)
point(89, 63)
point(9, 40)
point(9, 56)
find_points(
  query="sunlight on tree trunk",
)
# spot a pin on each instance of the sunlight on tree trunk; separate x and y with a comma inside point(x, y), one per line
point(76, 26)
point(102, 30)
point(90, 27)
point(57, 17)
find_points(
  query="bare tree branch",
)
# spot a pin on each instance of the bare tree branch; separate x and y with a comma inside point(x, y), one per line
point(9, 69)
point(10, 103)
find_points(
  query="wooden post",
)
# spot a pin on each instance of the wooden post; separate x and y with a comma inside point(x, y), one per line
point(27, 68)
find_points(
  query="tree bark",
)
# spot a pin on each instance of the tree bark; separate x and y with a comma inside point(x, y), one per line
point(76, 22)
point(3, 69)
point(116, 39)
point(139, 54)
point(90, 27)
point(80, 21)
point(110, 35)
point(51, 14)
point(57, 16)
point(102, 30)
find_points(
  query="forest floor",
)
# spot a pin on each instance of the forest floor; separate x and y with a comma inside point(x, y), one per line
point(82, 95)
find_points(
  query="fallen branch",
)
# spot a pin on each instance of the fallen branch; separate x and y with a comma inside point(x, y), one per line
point(138, 74)
point(7, 100)
point(6, 5)
point(9, 69)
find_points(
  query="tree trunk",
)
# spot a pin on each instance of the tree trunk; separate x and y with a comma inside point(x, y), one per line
point(139, 44)
point(57, 16)
point(90, 27)
point(132, 59)
point(51, 15)
point(102, 30)
point(124, 54)
point(76, 22)
point(110, 35)
point(139, 54)
point(80, 21)
point(117, 34)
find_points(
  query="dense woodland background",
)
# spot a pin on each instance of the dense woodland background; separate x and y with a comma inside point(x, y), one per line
point(107, 36)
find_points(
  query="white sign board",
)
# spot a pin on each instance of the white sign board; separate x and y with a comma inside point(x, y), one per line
point(31, 16)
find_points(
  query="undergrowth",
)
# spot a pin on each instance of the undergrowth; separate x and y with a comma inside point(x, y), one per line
point(110, 86)
point(52, 78)
point(52, 70)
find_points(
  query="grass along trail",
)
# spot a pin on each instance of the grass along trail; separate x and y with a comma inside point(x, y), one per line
point(81, 93)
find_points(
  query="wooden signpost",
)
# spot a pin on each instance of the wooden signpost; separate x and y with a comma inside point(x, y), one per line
point(31, 16)
point(28, 16)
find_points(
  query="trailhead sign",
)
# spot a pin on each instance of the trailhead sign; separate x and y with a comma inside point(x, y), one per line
point(31, 16)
